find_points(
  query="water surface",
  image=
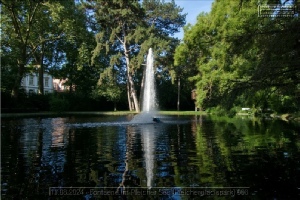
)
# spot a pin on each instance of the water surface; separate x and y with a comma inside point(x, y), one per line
point(214, 158)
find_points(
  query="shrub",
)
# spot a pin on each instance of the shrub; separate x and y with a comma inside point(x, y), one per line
point(234, 110)
point(59, 104)
point(40, 102)
point(218, 110)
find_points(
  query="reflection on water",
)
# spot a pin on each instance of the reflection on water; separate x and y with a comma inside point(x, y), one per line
point(148, 139)
point(58, 133)
point(38, 153)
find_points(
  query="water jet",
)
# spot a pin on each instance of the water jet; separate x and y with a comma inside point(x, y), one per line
point(148, 116)
point(149, 101)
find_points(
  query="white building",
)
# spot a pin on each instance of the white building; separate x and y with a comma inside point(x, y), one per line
point(31, 83)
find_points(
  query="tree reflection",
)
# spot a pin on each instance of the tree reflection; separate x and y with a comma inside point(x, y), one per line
point(205, 152)
point(251, 153)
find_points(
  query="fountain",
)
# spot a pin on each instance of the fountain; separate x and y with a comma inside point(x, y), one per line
point(149, 98)
point(149, 108)
point(148, 117)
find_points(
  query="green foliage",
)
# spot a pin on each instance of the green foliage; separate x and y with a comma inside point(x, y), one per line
point(50, 34)
point(243, 60)
point(40, 102)
point(218, 110)
point(26, 102)
point(72, 43)
point(108, 87)
point(129, 30)
point(58, 104)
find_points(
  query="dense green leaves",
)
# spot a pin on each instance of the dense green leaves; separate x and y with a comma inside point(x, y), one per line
point(36, 33)
point(109, 87)
point(243, 59)
point(128, 30)
point(231, 55)
point(87, 42)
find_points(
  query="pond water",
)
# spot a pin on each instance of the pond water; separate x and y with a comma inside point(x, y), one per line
point(190, 157)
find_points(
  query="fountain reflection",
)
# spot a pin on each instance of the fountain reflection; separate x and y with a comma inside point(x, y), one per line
point(58, 133)
point(146, 136)
point(42, 153)
point(148, 141)
point(147, 117)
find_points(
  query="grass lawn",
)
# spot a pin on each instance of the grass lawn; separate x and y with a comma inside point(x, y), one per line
point(182, 112)
point(54, 114)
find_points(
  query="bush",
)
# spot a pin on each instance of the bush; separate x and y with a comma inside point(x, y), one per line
point(58, 104)
point(218, 110)
point(40, 102)
point(234, 110)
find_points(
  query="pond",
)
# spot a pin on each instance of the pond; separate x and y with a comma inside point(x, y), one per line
point(190, 157)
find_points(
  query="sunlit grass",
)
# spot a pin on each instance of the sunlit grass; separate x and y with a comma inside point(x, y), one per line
point(162, 112)
point(54, 114)
point(182, 112)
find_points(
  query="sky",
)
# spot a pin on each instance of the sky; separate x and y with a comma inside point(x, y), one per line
point(193, 8)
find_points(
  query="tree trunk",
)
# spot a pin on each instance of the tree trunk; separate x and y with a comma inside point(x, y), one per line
point(41, 79)
point(178, 94)
point(71, 88)
point(115, 106)
point(128, 96)
point(132, 90)
point(142, 89)
point(41, 71)
point(17, 83)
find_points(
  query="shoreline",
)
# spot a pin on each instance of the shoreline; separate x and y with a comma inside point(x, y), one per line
point(285, 117)
point(62, 114)
point(93, 113)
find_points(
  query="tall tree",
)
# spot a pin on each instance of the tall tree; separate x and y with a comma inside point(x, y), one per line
point(109, 87)
point(22, 16)
point(121, 28)
point(131, 29)
point(193, 50)
point(76, 48)
point(29, 29)
point(243, 59)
